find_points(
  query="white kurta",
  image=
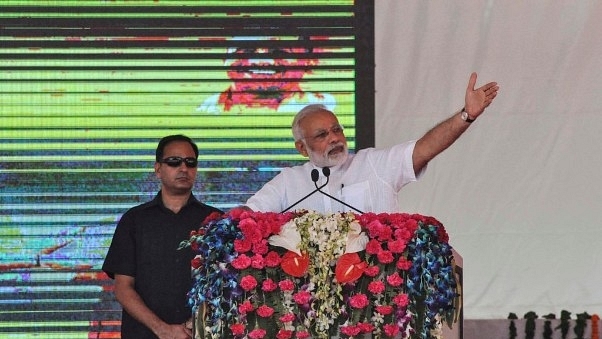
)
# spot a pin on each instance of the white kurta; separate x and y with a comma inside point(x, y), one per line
point(369, 181)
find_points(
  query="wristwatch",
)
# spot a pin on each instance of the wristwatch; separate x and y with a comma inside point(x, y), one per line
point(465, 116)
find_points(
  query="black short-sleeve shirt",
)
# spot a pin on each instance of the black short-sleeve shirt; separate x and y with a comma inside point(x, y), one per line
point(145, 246)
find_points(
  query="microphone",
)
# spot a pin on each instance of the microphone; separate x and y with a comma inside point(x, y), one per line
point(326, 172)
point(315, 175)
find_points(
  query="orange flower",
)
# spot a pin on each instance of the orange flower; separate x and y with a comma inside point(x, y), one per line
point(349, 268)
point(294, 264)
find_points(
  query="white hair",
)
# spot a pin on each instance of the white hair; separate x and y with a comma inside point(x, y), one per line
point(307, 110)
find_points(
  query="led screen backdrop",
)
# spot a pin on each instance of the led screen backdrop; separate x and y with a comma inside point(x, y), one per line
point(87, 88)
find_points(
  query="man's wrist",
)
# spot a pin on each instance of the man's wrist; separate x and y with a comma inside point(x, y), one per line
point(465, 116)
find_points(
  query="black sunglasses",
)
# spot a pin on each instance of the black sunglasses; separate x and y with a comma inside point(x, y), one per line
point(177, 161)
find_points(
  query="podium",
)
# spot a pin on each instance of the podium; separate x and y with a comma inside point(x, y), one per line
point(304, 274)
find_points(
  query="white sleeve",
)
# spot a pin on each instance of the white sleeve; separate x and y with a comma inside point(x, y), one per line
point(394, 165)
point(270, 198)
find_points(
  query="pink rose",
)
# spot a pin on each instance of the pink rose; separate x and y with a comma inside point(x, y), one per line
point(269, 285)
point(242, 245)
point(261, 247)
point(351, 330)
point(359, 301)
point(284, 334)
point(286, 285)
point(248, 283)
point(373, 247)
point(257, 333)
point(265, 311)
point(376, 287)
point(237, 329)
point(272, 259)
point(384, 309)
point(257, 262)
point(401, 300)
point(245, 307)
point(396, 246)
point(287, 318)
point(302, 297)
point(385, 257)
point(391, 330)
point(394, 279)
point(403, 264)
point(303, 335)
point(241, 262)
point(371, 271)
point(366, 327)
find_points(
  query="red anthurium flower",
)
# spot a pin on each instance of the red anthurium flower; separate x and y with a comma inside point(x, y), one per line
point(349, 268)
point(294, 264)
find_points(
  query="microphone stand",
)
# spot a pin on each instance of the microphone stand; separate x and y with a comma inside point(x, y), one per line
point(337, 200)
point(314, 177)
point(326, 172)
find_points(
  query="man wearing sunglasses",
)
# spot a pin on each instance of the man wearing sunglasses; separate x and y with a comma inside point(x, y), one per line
point(152, 277)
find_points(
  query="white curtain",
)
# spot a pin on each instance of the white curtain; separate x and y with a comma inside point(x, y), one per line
point(521, 190)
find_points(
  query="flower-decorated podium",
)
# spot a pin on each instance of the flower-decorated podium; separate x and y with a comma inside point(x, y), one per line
point(309, 275)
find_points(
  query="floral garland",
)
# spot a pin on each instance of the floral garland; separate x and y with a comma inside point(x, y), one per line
point(309, 275)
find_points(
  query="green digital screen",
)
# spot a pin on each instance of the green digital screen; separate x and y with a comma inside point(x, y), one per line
point(87, 89)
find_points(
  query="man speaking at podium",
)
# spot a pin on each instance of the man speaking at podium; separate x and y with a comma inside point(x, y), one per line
point(335, 180)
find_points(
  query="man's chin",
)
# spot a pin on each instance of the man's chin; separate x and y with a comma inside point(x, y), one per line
point(336, 160)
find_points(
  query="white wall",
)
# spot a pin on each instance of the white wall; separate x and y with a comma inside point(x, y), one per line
point(521, 192)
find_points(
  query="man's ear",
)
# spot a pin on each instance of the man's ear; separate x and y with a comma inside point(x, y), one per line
point(157, 174)
point(300, 146)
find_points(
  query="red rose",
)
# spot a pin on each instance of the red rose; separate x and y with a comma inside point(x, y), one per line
point(385, 257)
point(366, 327)
point(359, 301)
point(269, 285)
point(287, 318)
point(212, 217)
point(196, 262)
point(265, 311)
point(245, 307)
point(242, 245)
point(303, 335)
point(391, 330)
point(272, 259)
point(237, 329)
point(372, 271)
point(404, 264)
point(396, 246)
point(286, 285)
point(248, 283)
point(241, 262)
point(384, 309)
point(376, 287)
point(394, 279)
point(302, 298)
point(257, 262)
point(257, 333)
point(284, 334)
point(401, 300)
point(373, 247)
point(260, 247)
point(351, 330)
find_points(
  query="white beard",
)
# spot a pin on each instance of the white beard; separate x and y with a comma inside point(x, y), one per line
point(327, 160)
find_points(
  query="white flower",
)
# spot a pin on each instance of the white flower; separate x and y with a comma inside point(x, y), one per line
point(288, 238)
point(356, 239)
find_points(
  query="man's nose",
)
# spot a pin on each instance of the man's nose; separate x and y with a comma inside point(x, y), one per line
point(333, 137)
